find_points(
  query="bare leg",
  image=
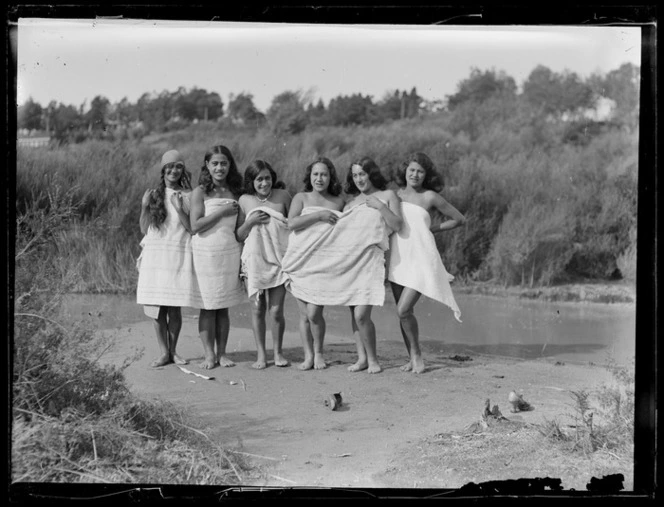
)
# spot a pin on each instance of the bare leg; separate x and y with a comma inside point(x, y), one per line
point(161, 329)
point(361, 363)
point(206, 330)
point(174, 328)
point(276, 297)
point(406, 299)
point(367, 332)
point(317, 323)
point(258, 325)
point(307, 337)
point(223, 327)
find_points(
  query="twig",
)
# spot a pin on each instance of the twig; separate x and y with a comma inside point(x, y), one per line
point(194, 373)
point(94, 445)
point(254, 455)
point(282, 479)
point(243, 385)
point(82, 474)
point(43, 318)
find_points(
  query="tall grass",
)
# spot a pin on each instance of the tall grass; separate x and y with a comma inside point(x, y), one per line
point(539, 210)
point(602, 418)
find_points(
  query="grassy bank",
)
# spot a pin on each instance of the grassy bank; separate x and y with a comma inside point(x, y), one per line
point(74, 418)
point(617, 292)
point(539, 212)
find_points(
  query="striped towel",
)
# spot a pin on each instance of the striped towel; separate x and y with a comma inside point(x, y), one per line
point(341, 264)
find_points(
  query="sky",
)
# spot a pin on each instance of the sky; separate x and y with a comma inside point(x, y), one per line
point(72, 61)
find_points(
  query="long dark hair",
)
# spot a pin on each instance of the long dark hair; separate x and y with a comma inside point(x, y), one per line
point(370, 167)
point(157, 204)
point(253, 170)
point(233, 179)
point(432, 179)
point(334, 188)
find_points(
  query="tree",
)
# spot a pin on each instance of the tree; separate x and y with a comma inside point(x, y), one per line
point(287, 114)
point(621, 86)
point(351, 110)
point(125, 112)
point(481, 86)
point(64, 121)
point(389, 108)
point(556, 94)
point(30, 115)
point(98, 113)
point(241, 109)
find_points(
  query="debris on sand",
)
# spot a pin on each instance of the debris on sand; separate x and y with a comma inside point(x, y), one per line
point(457, 357)
point(491, 417)
point(189, 372)
point(518, 403)
point(334, 401)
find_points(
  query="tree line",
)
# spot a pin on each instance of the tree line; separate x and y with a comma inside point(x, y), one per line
point(547, 94)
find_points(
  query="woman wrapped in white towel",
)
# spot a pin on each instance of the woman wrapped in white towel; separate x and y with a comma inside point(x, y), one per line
point(263, 227)
point(414, 264)
point(367, 186)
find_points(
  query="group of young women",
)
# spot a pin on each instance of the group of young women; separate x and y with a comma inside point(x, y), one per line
point(233, 239)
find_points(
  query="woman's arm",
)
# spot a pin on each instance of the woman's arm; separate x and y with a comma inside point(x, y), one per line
point(456, 219)
point(391, 211)
point(244, 225)
point(200, 222)
point(287, 202)
point(297, 222)
point(144, 221)
point(178, 204)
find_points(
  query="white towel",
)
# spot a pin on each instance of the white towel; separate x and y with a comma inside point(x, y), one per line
point(217, 261)
point(263, 252)
point(341, 264)
point(414, 261)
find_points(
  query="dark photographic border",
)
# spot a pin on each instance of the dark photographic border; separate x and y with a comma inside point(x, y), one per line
point(646, 472)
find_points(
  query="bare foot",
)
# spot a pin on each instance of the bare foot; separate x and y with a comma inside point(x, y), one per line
point(161, 361)
point(319, 362)
point(307, 364)
point(418, 365)
point(178, 360)
point(407, 367)
point(359, 366)
point(281, 361)
point(374, 368)
point(259, 365)
point(208, 364)
point(225, 362)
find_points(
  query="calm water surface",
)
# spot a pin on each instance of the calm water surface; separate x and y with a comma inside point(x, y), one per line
point(574, 332)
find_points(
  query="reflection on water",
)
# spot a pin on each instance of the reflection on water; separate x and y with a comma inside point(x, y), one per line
point(491, 325)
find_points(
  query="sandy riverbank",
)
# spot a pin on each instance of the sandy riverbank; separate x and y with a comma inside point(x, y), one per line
point(384, 434)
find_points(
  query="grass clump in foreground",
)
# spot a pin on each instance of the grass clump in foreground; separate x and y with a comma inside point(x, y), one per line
point(602, 420)
point(73, 417)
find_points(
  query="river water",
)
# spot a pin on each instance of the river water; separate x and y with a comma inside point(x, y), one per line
point(504, 326)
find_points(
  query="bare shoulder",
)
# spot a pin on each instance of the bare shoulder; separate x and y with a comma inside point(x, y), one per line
point(282, 195)
point(245, 201)
point(433, 197)
point(198, 193)
point(299, 197)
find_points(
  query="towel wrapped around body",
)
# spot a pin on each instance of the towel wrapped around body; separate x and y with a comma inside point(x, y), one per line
point(414, 261)
point(263, 252)
point(341, 264)
point(165, 265)
point(217, 255)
